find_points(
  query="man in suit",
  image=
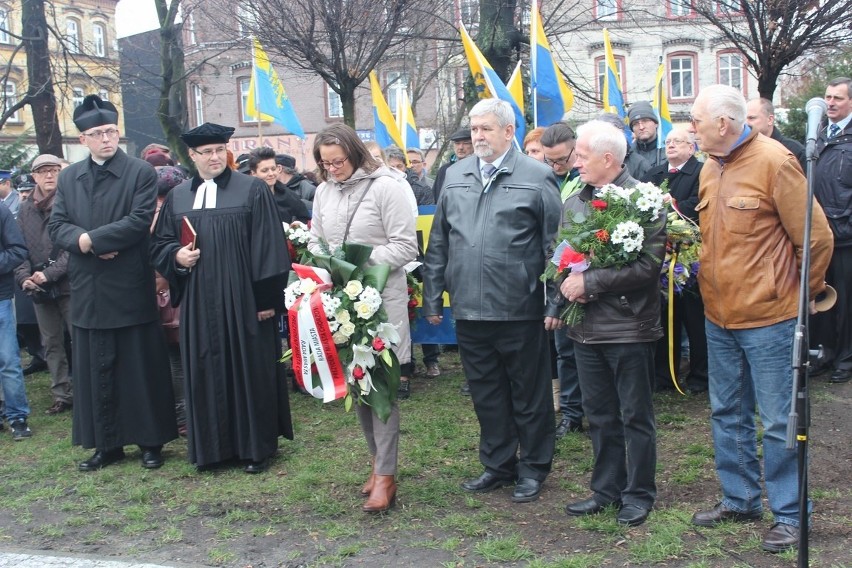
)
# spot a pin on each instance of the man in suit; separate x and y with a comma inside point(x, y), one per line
point(761, 116)
point(491, 235)
point(681, 170)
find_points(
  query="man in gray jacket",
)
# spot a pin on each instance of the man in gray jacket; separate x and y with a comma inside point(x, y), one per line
point(491, 236)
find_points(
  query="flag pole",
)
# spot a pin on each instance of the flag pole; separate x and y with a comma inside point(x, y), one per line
point(256, 99)
point(534, 60)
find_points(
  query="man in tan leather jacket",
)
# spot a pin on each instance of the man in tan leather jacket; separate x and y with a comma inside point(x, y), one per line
point(752, 215)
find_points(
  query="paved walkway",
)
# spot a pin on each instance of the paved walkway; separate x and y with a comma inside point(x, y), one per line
point(44, 560)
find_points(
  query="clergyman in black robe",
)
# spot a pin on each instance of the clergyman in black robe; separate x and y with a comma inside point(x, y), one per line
point(102, 216)
point(229, 289)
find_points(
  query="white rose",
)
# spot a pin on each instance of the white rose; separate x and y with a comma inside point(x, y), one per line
point(347, 329)
point(353, 288)
point(306, 286)
point(343, 316)
point(339, 338)
point(364, 310)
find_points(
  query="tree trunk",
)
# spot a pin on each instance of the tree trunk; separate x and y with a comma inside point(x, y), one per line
point(172, 108)
point(347, 100)
point(497, 34)
point(767, 81)
point(42, 99)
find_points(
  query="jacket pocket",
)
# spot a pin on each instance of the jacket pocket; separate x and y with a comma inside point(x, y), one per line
point(740, 214)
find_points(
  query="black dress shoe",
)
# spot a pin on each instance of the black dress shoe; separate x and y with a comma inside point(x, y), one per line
point(152, 457)
point(487, 482)
point(101, 459)
point(465, 389)
point(632, 515)
point(585, 507)
point(527, 489)
point(720, 513)
point(838, 376)
point(37, 365)
point(781, 537)
point(257, 466)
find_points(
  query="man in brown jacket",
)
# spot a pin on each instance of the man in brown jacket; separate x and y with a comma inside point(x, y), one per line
point(752, 229)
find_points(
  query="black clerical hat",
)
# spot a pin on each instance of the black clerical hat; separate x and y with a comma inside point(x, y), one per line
point(207, 133)
point(93, 112)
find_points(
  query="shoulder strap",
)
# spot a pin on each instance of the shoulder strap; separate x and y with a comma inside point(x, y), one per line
point(357, 205)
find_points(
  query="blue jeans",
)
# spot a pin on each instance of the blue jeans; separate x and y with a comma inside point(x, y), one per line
point(751, 369)
point(11, 375)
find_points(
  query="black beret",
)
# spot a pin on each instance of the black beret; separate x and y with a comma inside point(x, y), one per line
point(207, 133)
point(459, 135)
point(285, 160)
point(94, 112)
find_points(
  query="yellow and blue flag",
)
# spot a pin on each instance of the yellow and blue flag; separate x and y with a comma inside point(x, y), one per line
point(488, 83)
point(405, 123)
point(516, 86)
point(661, 106)
point(387, 133)
point(552, 97)
point(267, 99)
point(613, 98)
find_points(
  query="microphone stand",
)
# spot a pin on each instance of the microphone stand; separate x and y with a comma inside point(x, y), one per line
point(799, 418)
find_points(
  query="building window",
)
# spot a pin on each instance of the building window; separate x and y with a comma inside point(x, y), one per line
point(470, 13)
point(245, 82)
point(99, 40)
point(72, 35)
point(10, 97)
point(682, 76)
point(198, 104)
point(103, 94)
point(4, 26)
point(680, 9)
point(190, 28)
point(732, 70)
point(397, 82)
point(79, 95)
point(334, 106)
point(600, 67)
point(606, 9)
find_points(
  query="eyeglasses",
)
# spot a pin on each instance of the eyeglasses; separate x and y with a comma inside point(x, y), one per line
point(693, 121)
point(415, 162)
point(675, 141)
point(336, 164)
point(96, 134)
point(559, 161)
point(207, 154)
point(47, 171)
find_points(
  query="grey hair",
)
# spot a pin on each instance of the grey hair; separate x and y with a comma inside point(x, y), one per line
point(499, 108)
point(392, 152)
point(722, 100)
point(682, 132)
point(417, 151)
point(602, 138)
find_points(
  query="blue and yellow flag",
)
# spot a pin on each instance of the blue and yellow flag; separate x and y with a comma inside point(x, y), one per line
point(661, 106)
point(488, 83)
point(516, 86)
point(267, 99)
point(551, 94)
point(613, 98)
point(387, 133)
point(405, 122)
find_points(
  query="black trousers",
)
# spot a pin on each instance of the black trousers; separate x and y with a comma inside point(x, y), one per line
point(507, 364)
point(616, 381)
point(833, 329)
point(688, 313)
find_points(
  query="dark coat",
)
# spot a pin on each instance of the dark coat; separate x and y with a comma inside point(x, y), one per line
point(236, 395)
point(648, 150)
point(114, 204)
point(487, 249)
point(833, 182)
point(290, 206)
point(683, 185)
point(33, 222)
point(13, 251)
point(795, 147)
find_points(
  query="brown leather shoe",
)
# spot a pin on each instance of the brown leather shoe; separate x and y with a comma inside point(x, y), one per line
point(382, 496)
point(720, 513)
point(781, 537)
point(367, 488)
point(58, 408)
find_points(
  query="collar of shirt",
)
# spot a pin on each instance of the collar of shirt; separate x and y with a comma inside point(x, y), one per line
point(841, 123)
point(741, 139)
point(677, 167)
point(496, 163)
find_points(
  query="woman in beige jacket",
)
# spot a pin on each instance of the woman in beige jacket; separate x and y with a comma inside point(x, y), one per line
point(361, 193)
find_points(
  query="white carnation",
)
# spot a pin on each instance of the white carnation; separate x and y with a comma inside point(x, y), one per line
point(371, 296)
point(629, 235)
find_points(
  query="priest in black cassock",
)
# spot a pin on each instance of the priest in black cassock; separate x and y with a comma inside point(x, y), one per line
point(102, 215)
point(229, 287)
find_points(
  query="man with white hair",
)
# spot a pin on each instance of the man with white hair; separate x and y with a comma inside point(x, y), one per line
point(614, 347)
point(491, 235)
point(752, 229)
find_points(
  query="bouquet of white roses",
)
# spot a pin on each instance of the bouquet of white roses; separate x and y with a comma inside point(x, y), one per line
point(339, 332)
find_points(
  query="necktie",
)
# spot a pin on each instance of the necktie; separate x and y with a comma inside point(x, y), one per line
point(488, 170)
point(833, 130)
point(205, 195)
point(673, 170)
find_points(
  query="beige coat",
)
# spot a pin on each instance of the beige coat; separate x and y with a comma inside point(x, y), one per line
point(384, 221)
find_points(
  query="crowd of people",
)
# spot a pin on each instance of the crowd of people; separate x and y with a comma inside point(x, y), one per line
point(170, 286)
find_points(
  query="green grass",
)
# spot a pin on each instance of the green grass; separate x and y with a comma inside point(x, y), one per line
point(306, 509)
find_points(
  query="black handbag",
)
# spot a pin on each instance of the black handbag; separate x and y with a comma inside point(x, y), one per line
point(49, 291)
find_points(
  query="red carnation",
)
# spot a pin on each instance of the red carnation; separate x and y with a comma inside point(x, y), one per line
point(569, 257)
point(378, 344)
point(412, 303)
point(358, 372)
point(292, 250)
point(598, 204)
point(602, 235)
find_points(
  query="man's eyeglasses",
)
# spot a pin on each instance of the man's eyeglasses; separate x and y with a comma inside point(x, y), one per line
point(693, 121)
point(207, 154)
point(96, 134)
point(47, 171)
point(336, 164)
point(676, 141)
point(559, 161)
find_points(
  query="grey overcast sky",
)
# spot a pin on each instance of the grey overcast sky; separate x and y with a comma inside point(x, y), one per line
point(135, 16)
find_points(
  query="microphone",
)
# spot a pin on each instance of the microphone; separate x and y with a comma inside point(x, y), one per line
point(815, 109)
